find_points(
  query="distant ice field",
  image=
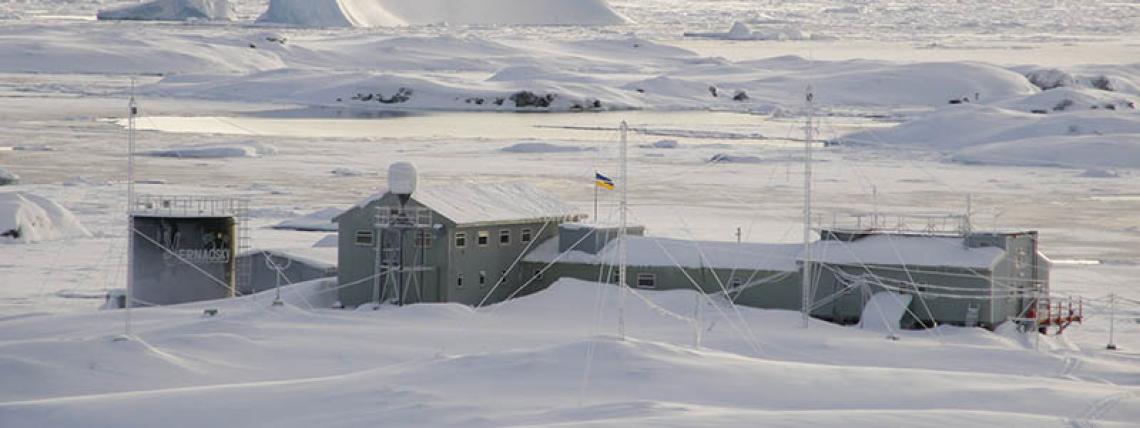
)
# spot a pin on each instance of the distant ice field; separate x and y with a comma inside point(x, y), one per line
point(945, 24)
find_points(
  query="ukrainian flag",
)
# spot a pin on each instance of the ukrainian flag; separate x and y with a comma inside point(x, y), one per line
point(603, 181)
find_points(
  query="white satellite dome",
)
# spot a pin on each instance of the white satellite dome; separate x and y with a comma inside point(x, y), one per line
point(402, 178)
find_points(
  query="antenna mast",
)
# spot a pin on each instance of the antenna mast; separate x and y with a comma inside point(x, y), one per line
point(623, 208)
point(133, 111)
point(809, 134)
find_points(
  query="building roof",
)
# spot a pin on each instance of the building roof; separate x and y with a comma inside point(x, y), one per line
point(908, 250)
point(890, 250)
point(665, 252)
point(478, 203)
point(319, 257)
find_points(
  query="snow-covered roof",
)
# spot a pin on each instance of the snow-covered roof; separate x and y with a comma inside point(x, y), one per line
point(909, 250)
point(653, 251)
point(320, 257)
point(476, 203)
point(928, 251)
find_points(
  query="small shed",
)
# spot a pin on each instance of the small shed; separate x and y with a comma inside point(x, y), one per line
point(294, 264)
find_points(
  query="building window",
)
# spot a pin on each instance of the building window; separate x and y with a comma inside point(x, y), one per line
point(364, 238)
point(646, 280)
point(505, 237)
point(526, 236)
point(423, 239)
point(482, 278)
point(484, 237)
point(736, 283)
point(458, 280)
point(460, 240)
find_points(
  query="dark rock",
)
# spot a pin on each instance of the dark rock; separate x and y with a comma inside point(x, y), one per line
point(1102, 83)
point(1064, 104)
point(1051, 78)
point(740, 96)
point(524, 99)
point(402, 95)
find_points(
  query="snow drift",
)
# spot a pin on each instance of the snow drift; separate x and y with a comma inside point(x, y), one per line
point(171, 10)
point(539, 147)
point(983, 134)
point(215, 152)
point(387, 13)
point(1085, 151)
point(740, 31)
point(966, 126)
point(26, 218)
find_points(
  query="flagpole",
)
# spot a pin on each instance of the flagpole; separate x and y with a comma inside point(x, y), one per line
point(596, 198)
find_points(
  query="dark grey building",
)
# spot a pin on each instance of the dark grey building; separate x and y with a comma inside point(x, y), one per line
point(967, 279)
point(758, 275)
point(960, 279)
point(453, 243)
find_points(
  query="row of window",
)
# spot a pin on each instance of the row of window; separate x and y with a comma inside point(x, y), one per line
point(483, 237)
point(644, 280)
point(367, 238)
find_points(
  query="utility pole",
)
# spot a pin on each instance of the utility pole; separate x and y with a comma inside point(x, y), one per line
point(133, 111)
point(809, 134)
point(623, 207)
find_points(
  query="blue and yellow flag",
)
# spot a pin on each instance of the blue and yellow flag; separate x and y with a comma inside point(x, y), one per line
point(603, 181)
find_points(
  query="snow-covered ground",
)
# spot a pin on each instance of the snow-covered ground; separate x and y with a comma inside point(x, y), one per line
point(252, 110)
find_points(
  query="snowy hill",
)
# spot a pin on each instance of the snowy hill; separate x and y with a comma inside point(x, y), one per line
point(1082, 138)
point(388, 13)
